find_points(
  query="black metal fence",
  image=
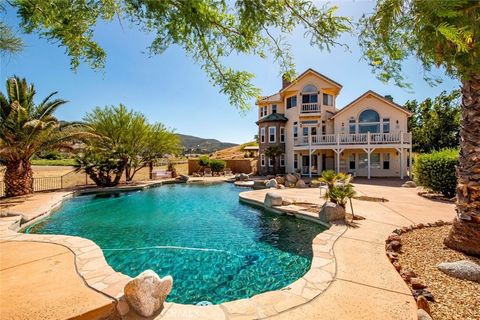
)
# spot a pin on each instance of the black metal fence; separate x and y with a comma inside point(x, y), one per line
point(40, 184)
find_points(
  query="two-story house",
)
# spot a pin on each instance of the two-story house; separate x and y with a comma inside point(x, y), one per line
point(367, 137)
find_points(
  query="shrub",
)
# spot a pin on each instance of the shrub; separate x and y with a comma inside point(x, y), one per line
point(204, 161)
point(217, 165)
point(436, 171)
point(341, 193)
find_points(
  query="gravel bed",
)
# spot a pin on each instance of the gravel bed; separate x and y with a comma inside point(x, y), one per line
point(421, 252)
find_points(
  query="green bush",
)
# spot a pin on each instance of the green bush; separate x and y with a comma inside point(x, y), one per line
point(204, 161)
point(217, 165)
point(436, 171)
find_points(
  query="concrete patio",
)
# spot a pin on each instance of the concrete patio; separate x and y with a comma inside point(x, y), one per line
point(365, 286)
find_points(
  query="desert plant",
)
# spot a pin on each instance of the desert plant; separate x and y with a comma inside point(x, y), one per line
point(103, 167)
point(204, 162)
point(27, 129)
point(340, 194)
point(217, 165)
point(172, 169)
point(436, 171)
point(274, 152)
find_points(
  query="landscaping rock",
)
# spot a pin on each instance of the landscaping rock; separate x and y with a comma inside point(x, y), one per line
point(409, 184)
point(463, 269)
point(300, 184)
point(146, 292)
point(392, 256)
point(280, 180)
point(394, 246)
point(397, 266)
point(424, 293)
point(331, 211)
point(407, 275)
point(122, 306)
point(423, 315)
point(258, 184)
point(422, 303)
point(241, 176)
point(416, 283)
point(272, 183)
point(393, 237)
point(272, 200)
point(183, 178)
point(280, 186)
point(290, 178)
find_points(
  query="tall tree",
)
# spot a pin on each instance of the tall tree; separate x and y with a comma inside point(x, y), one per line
point(26, 129)
point(273, 152)
point(127, 142)
point(444, 34)
point(208, 30)
point(9, 42)
point(435, 123)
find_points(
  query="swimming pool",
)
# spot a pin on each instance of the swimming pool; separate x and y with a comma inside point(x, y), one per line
point(216, 248)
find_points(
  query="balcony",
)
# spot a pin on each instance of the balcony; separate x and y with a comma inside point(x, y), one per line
point(360, 139)
point(310, 108)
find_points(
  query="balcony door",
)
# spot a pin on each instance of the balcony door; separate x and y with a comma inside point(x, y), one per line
point(306, 164)
point(309, 132)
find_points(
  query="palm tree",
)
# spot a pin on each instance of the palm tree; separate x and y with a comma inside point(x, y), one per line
point(25, 129)
point(273, 152)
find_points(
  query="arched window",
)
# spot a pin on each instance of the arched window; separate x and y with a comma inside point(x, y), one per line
point(310, 94)
point(369, 121)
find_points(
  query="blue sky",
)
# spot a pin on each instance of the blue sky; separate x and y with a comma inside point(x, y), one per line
point(171, 89)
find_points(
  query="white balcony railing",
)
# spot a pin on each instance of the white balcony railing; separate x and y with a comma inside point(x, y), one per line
point(356, 139)
point(310, 107)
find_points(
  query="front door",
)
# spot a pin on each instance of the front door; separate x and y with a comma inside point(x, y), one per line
point(305, 164)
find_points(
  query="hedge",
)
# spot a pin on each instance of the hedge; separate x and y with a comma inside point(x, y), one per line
point(217, 165)
point(436, 171)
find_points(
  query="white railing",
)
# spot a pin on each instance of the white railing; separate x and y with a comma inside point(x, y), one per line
point(354, 139)
point(310, 107)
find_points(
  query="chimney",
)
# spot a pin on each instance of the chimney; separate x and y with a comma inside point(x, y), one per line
point(285, 82)
point(389, 97)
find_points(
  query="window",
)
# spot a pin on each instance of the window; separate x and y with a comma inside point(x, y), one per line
point(262, 160)
point(369, 121)
point(324, 128)
point(263, 111)
point(282, 160)
point(310, 94)
point(386, 161)
point(327, 99)
point(305, 131)
point(374, 160)
point(291, 102)
point(295, 131)
point(351, 161)
point(272, 132)
point(295, 161)
point(274, 108)
point(282, 134)
point(262, 135)
point(386, 125)
point(352, 126)
point(270, 161)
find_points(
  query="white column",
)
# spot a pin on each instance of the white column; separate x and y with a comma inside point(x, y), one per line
point(410, 163)
point(309, 153)
point(401, 163)
point(368, 162)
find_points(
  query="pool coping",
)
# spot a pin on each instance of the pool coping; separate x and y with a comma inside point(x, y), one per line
point(97, 274)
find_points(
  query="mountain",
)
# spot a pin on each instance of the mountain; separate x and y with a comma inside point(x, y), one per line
point(193, 144)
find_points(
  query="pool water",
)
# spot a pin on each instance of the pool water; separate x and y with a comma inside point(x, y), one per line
point(216, 248)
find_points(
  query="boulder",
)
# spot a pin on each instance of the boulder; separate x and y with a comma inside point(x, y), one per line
point(280, 180)
point(417, 284)
point(300, 184)
point(183, 178)
point(394, 246)
point(272, 183)
point(422, 303)
point(409, 184)
point(393, 237)
point(241, 177)
point(297, 175)
point(331, 211)
point(258, 184)
point(407, 275)
point(280, 186)
point(146, 292)
point(290, 178)
point(289, 184)
point(463, 269)
point(272, 200)
point(423, 315)
point(424, 293)
point(269, 177)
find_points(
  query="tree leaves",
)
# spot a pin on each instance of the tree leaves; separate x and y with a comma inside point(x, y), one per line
point(209, 31)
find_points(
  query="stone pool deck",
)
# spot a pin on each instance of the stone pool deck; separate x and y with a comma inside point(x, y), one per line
point(350, 279)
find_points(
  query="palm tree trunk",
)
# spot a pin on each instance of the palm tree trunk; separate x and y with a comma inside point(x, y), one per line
point(18, 178)
point(465, 233)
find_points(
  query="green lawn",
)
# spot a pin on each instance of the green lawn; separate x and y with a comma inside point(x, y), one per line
point(59, 162)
